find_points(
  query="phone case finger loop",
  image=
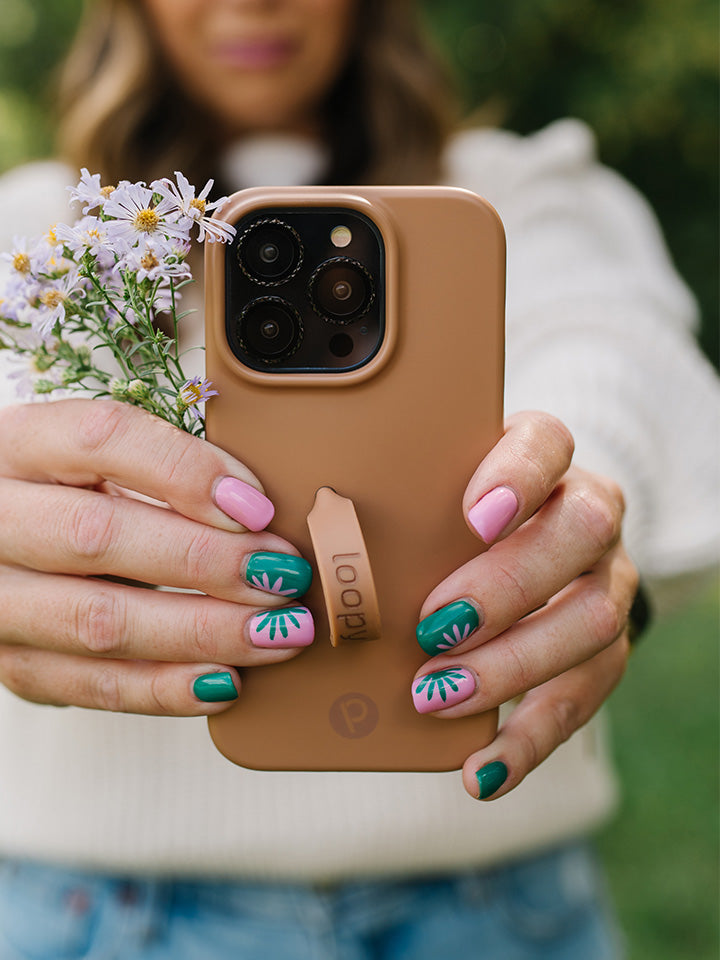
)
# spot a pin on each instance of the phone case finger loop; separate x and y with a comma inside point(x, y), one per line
point(344, 567)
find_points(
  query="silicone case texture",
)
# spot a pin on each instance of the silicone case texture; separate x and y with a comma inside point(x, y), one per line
point(400, 437)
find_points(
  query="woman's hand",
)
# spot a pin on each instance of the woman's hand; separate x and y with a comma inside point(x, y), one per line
point(542, 614)
point(70, 476)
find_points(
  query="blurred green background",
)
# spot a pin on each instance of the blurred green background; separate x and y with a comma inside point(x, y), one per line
point(644, 75)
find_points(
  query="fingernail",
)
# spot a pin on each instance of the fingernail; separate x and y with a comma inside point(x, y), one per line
point(243, 503)
point(213, 687)
point(447, 627)
point(278, 573)
point(493, 512)
point(443, 688)
point(490, 778)
point(287, 627)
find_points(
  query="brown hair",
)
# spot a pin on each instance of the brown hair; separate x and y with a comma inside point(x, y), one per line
point(386, 118)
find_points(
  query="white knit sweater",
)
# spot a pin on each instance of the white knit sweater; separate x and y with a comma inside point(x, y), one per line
point(599, 333)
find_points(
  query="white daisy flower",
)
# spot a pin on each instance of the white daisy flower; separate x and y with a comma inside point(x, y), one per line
point(193, 208)
point(31, 258)
point(136, 218)
point(22, 256)
point(51, 301)
point(88, 235)
point(154, 259)
point(89, 191)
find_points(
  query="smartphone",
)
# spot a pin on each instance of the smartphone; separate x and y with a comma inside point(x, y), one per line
point(356, 338)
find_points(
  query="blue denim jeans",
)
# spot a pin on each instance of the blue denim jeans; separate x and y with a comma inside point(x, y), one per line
point(551, 907)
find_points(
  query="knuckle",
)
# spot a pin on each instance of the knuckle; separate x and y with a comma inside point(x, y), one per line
point(598, 518)
point(106, 690)
point(564, 715)
point(18, 673)
point(14, 672)
point(180, 459)
point(602, 616)
point(101, 424)
point(509, 588)
point(205, 633)
point(198, 554)
point(528, 748)
point(615, 492)
point(161, 693)
point(556, 436)
point(517, 668)
point(98, 620)
point(90, 527)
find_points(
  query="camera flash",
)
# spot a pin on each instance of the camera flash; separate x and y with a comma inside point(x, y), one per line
point(340, 236)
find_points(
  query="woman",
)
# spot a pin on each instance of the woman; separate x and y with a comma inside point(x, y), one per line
point(300, 91)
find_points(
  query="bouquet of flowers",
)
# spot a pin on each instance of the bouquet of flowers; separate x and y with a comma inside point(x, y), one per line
point(81, 303)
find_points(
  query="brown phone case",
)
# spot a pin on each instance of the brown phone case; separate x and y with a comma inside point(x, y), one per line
point(399, 439)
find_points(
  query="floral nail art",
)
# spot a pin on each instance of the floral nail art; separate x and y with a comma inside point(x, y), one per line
point(447, 627)
point(442, 688)
point(278, 573)
point(262, 582)
point(287, 627)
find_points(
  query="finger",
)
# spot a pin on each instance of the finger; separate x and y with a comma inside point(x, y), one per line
point(159, 689)
point(83, 532)
point(83, 443)
point(543, 720)
point(517, 475)
point(94, 618)
point(572, 530)
point(585, 618)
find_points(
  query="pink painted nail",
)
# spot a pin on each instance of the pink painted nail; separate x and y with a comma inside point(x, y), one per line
point(493, 512)
point(243, 503)
point(287, 627)
point(443, 688)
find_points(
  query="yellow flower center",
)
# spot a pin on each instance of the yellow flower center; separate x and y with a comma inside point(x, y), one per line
point(146, 221)
point(106, 191)
point(52, 299)
point(51, 236)
point(21, 262)
point(149, 261)
point(191, 394)
point(199, 205)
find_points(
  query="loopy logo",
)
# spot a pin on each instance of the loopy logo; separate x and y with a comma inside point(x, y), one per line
point(353, 619)
point(354, 715)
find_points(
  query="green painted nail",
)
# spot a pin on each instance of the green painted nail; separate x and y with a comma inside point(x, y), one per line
point(490, 778)
point(447, 627)
point(279, 573)
point(214, 687)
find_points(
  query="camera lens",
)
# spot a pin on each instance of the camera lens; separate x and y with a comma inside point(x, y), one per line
point(270, 329)
point(270, 251)
point(341, 290)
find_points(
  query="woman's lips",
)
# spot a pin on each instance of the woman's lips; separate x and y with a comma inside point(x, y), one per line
point(260, 54)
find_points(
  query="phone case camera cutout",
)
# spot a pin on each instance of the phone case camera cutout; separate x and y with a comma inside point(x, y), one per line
point(356, 338)
point(309, 288)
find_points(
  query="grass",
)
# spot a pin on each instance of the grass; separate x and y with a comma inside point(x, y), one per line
point(661, 852)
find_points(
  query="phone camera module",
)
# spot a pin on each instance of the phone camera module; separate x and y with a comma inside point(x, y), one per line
point(341, 290)
point(270, 252)
point(270, 329)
